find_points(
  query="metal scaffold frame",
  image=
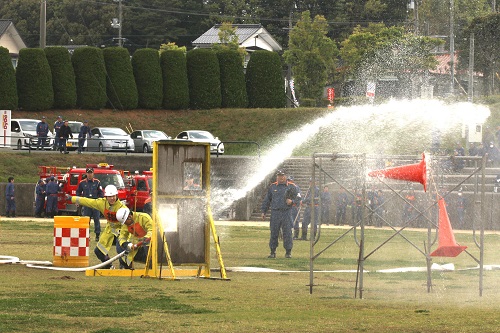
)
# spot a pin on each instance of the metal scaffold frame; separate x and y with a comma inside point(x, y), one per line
point(361, 174)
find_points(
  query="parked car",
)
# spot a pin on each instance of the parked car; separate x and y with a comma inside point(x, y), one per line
point(23, 134)
point(109, 139)
point(72, 144)
point(143, 139)
point(216, 146)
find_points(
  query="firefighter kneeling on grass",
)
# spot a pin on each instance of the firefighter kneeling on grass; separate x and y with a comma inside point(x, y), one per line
point(135, 236)
point(108, 206)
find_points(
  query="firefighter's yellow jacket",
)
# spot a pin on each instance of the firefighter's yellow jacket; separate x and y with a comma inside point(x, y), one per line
point(139, 231)
point(109, 211)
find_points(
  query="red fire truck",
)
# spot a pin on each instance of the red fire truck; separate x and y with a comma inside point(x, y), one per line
point(138, 189)
point(69, 178)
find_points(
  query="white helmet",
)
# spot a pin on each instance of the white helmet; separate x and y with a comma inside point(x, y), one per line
point(110, 190)
point(122, 214)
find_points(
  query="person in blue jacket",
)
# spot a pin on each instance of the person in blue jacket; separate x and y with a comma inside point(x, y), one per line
point(279, 198)
point(91, 187)
point(10, 198)
point(42, 132)
point(39, 198)
point(51, 191)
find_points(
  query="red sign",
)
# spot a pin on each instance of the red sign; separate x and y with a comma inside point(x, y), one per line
point(331, 94)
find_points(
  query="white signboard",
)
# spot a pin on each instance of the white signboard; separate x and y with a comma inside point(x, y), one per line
point(5, 134)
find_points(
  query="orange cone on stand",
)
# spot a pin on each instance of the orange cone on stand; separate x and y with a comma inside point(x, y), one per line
point(411, 172)
point(447, 246)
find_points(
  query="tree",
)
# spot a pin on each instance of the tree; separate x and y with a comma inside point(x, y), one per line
point(34, 80)
point(486, 46)
point(264, 80)
point(63, 77)
point(232, 79)
point(8, 88)
point(312, 55)
point(147, 73)
point(175, 79)
point(204, 79)
point(120, 84)
point(90, 77)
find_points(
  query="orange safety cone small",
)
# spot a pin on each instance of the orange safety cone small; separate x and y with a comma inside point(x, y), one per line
point(447, 246)
point(411, 172)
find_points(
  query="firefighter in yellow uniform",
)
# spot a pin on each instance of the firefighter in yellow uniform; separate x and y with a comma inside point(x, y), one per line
point(135, 236)
point(108, 206)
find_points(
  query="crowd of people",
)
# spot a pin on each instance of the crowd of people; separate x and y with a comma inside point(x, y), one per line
point(62, 132)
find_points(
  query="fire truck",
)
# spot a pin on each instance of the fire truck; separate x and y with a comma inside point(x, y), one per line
point(69, 178)
point(138, 189)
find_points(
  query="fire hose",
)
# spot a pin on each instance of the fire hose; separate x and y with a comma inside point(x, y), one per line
point(80, 269)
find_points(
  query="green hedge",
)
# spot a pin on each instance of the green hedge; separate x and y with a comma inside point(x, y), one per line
point(148, 78)
point(90, 77)
point(34, 81)
point(204, 79)
point(175, 81)
point(264, 78)
point(120, 83)
point(232, 79)
point(8, 87)
point(63, 77)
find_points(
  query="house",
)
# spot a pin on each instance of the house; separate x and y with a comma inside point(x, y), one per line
point(250, 36)
point(11, 40)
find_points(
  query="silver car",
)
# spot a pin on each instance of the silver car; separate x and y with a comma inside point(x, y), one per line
point(109, 139)
point(143, 139)
point(216, 146)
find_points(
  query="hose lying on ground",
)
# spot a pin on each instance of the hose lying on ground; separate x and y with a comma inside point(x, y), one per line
point(79, 269)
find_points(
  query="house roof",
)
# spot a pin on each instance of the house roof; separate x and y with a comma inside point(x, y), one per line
point(9, 36)
point(248, 34)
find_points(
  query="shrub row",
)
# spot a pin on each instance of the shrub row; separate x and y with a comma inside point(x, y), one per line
point(94, 78)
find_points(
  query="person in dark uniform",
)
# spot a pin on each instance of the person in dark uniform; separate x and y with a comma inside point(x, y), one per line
point(64, 134)
point(91, 187)
point(379, 208)
point(10, 198)
point(461, 208)
point(51, 191)
point(279, 198)
point(57, 126)
point(83, 135)
point(326, 202)
point(42, 132)
point(312, 195)
point(341, 203)
point(39, 197)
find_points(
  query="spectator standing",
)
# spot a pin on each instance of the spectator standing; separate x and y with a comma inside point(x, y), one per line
point(91, 188)
point(64, 134)
point(379, 209)
point(341, 204)
point(326, 202)
point(458, 164)
point(10, 198)
point(408, 210)
point(135, 236)
point(83, 135)
point(39, 197)
point(493, 155)
point(57, 126)
point(312, 196)
point(279, 199)
point(51, 191)
point(42, 132)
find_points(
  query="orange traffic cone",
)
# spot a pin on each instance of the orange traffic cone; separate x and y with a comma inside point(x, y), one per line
point(411, 172)
point(447, 246)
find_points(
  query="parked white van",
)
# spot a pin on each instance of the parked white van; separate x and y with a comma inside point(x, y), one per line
point(23, 134)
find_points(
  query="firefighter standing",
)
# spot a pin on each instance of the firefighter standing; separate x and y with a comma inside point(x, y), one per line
point(39, 197)
point(51, 191)
point(10, 199)
point(91, 188)
point(57, 126)
point(83, 135)
point(108, 206)
point(64, 134)
point(134, 237)
point(279, 198)
point(42, 132)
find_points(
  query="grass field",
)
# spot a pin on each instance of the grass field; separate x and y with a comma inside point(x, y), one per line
point(35, 300)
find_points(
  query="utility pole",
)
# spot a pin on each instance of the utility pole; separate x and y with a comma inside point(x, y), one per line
point(289, 67)
point(43, 23)
point(452, 48)
point(117, 23)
